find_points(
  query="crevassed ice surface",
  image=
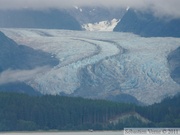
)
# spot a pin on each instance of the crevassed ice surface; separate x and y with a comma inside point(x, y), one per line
point(100, 64)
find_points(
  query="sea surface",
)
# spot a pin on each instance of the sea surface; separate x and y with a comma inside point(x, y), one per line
point(65, 133)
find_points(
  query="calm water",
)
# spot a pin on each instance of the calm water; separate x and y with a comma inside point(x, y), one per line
point(66, 133)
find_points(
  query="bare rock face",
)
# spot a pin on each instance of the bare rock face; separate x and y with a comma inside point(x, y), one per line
point(147, 25)
point(174, 64)
point(14, 56)
point(50, 19)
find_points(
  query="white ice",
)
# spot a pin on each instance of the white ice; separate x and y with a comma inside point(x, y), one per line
point(141, 71)
point(101, 26)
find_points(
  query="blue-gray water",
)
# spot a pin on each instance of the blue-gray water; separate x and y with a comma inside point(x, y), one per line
point(67, 133)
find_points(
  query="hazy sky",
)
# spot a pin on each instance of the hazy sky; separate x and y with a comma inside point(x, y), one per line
point(160, 7)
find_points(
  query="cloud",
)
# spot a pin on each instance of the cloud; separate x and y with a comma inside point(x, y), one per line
point(160, 7)
point(66, 3)
point(10, 76)
point(165, 7)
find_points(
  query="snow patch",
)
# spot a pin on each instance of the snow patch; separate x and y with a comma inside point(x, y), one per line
point(80, 9)
point(76, 7)
point(101, 26)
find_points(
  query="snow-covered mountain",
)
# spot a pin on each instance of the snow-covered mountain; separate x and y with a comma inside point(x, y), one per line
point(102, 65)
point(97, 18)
point(96, 14)
point(75, 18)
point(101, 26)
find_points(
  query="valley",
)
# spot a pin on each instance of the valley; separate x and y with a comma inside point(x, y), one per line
point(102, 65)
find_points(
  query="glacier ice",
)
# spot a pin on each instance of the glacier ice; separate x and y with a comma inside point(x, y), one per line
point(99, 64)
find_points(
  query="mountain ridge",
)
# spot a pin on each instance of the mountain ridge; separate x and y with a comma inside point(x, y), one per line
point(18, 63)
point(14, 56)
point(45, 19)
point(147, 25)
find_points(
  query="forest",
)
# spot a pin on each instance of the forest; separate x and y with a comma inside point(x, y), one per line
point(21, 112)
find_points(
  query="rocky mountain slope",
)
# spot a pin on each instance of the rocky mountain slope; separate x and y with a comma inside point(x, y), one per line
point(14, 56)
point(18, 63)
point(96, 14)
point(174, 64)
point(147, 25)
point(97, 18)
point(46, 19)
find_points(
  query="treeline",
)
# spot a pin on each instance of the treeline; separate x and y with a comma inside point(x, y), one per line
point(164, 114)
point(23, 112)
point(20, 112)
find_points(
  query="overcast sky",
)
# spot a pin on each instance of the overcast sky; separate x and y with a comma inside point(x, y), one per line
point(160, 7)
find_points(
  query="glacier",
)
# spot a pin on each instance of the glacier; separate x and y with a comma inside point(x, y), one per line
point(102, 64)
